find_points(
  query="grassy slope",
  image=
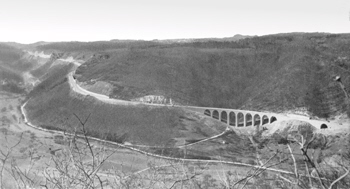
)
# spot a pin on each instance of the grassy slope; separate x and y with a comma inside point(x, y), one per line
point(54, 77)
point(59, 106)
point(273, 73)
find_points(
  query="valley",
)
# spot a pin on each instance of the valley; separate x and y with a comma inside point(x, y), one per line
point(49, 119)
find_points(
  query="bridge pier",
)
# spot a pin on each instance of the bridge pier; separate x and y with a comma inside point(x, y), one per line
point(236, 118)
point(244, 120)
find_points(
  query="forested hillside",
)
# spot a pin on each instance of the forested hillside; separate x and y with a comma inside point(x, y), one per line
point(271, 73)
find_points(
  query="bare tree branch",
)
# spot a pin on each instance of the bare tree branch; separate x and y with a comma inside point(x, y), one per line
point(341, 177)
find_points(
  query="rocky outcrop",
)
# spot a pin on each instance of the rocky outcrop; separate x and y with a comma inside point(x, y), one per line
point(154, 99)
point(297, 131)
point(290, 127)
point(54, 56)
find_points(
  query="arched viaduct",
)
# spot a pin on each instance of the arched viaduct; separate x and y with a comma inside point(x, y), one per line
point(238, 118)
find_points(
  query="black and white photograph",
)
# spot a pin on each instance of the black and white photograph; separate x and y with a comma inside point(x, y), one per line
point(174, 94)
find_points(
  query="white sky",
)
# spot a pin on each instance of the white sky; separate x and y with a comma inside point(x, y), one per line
point(28, 21)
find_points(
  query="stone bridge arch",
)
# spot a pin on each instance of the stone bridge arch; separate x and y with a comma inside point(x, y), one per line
point(232, 119)
point(256, 120)
point(216, 114)
point(223, 117)
point(265, 120)
point(240, 119)
point(273, 119)
point(207, 112)
point(248, 119)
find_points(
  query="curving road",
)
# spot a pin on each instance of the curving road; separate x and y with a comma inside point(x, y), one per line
point(281, 117)
point(104, 98)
